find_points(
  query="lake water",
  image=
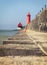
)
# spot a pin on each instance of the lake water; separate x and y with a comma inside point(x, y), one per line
point(7, 33)
point(4, 34)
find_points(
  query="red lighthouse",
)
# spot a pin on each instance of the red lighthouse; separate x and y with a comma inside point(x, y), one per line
point(28, 18)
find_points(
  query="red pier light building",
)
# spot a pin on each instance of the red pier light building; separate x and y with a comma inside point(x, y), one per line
point(20, 25)
point(28, 20)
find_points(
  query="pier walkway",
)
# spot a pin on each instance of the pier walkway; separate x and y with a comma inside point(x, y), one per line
point(20, 44)
point(21, 49)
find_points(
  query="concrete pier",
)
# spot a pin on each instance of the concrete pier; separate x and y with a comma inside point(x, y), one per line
point(21, 45)
point(20, 48)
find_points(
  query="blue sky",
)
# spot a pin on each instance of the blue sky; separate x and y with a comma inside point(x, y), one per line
point(14, 11)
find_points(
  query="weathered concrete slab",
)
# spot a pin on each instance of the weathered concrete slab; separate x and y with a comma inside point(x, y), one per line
point(21, 52)
point(17, 42)
point(18, 38)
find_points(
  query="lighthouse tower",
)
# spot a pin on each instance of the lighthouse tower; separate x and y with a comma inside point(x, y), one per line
point(28, 19)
